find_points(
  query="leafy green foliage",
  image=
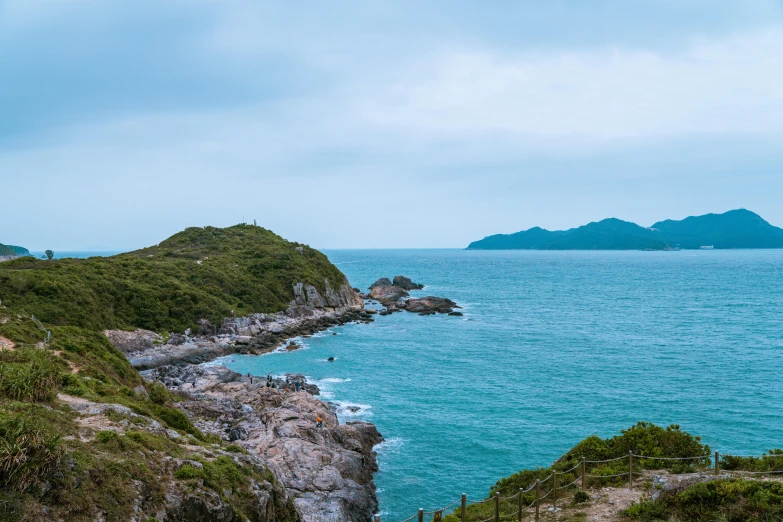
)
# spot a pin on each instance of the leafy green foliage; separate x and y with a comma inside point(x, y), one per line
point(642, 439)
point(208, 273)
point(772, 461)
point(732, 500)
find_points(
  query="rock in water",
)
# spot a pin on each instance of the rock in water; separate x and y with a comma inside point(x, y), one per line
point(431, 304)
point(405, 283)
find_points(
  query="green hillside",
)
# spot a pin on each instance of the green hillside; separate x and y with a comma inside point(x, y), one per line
point(54, 468)
point(7, 251)
point(198, 273)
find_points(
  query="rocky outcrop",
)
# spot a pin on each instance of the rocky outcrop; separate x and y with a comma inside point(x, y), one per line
point(181, 500)
point(665, 484)
point(395, 297)
point(405, 283)
point(310, 312)
point(430, 305)
point(327, 470)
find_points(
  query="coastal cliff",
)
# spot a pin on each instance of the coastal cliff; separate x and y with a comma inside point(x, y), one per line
point(96, 441)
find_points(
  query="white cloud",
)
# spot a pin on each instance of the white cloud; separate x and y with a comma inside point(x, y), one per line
point(731, 86)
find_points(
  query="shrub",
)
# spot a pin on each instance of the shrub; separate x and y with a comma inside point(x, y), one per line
point(580, 497)
point(158, 393)
point(188, 472)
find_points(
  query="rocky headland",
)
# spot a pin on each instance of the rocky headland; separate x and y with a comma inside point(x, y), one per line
point(394, 296)
point(255, 334)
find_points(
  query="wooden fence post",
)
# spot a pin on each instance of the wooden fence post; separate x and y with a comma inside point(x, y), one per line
point(497, 507)
point(421, 514)
point(519, 506)
point(554, 490)
point(538, 496)
point(463, 507)
point(630, 469)
point(717, 463)
point(584, 473)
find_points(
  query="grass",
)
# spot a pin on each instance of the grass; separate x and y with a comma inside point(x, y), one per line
point(53, 468)
point(200, 273)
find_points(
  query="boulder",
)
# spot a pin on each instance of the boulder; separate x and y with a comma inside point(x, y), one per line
point(430, 304)
point(405, 283)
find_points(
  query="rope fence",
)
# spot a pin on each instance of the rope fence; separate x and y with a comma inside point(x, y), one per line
point(551, 493)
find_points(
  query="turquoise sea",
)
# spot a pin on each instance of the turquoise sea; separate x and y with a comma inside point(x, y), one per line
point(553, 347)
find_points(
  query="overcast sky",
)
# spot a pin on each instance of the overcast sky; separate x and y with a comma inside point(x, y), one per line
point(382, 124)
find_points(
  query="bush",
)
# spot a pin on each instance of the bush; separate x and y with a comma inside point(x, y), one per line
point(580, 497)
point(732, 500)
point(158, 393)
point(188, 472)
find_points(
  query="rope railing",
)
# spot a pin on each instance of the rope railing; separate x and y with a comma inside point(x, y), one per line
point(551, 493)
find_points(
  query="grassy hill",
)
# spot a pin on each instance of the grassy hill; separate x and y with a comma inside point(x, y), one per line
point(11, 250)
point(198, 273)
point(54, 468)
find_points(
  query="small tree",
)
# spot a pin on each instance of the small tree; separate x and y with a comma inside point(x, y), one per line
point(49, 254)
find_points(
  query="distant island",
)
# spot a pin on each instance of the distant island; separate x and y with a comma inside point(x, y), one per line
point(734, 229)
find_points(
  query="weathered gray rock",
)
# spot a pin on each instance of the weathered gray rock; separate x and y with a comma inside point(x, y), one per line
point(132, 342)
point(430, 304)
point(310, 312)
point(405, 283)
point(671, 484)
point(327, 471)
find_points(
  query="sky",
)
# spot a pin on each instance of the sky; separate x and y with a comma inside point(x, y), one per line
point(373, 124)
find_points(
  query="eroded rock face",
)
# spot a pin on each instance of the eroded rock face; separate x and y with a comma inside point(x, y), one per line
point(327, 470)
point(132, 342)
point(185, 501)
point(310, 312)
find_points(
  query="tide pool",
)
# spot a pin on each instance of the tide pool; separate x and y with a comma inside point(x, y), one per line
point(553, 347)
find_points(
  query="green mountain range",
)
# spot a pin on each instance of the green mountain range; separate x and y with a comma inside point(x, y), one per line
point(734, 229)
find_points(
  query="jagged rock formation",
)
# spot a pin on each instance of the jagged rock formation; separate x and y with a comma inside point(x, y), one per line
point(310, 312)
point(395, 297)
point(327, 471)
point(180, 500)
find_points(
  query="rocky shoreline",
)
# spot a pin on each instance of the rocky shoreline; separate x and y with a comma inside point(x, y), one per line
point(325, 468)
point(327, 471)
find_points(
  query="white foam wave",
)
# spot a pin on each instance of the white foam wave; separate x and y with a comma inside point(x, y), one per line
point(347, 409)
point(389, 445)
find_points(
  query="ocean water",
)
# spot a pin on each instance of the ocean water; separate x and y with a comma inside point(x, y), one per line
point(79, 254)
point(553, 347)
